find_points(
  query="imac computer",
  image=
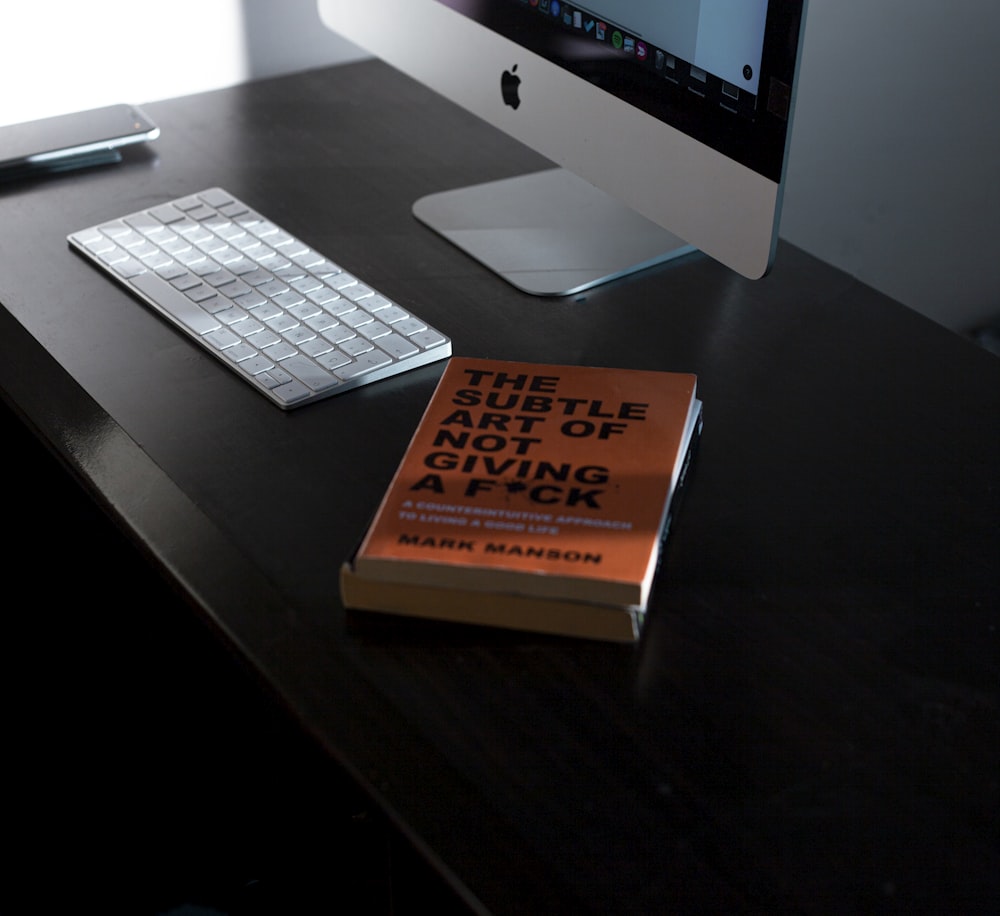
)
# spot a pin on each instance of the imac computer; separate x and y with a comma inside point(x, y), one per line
point(666, 122)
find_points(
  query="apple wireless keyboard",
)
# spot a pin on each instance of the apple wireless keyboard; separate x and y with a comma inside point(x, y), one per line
point(281, 315)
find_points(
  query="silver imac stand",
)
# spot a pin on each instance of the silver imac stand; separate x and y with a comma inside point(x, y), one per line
point(548, 233)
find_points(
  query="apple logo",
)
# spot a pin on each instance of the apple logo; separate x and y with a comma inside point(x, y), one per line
point(509, 84)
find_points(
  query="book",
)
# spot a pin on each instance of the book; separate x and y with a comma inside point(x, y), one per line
point(500, 609)
point(531, 496)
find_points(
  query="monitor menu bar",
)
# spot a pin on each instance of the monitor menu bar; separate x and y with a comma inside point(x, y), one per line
point(618, 41)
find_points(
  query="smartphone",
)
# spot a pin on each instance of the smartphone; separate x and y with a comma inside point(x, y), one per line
point(73, 140)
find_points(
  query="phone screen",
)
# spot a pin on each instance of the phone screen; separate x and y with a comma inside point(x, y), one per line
point(36, 143)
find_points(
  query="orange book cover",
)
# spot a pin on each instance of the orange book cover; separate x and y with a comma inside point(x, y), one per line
point(535, 480)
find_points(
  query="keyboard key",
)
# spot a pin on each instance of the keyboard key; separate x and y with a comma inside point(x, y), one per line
point(215, 197)
point(376, 359)
point(307, 372)
point(397, 346)
point(429, 338)
point(291, 392)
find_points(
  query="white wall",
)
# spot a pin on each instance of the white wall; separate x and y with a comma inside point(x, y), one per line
point(287, 34)
point(65, 55)
point(60, 55)
point(893, 172)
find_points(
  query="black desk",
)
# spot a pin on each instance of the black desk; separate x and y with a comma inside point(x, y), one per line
point(811, 719)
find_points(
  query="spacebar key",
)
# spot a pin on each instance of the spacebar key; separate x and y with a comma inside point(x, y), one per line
point(175, 303)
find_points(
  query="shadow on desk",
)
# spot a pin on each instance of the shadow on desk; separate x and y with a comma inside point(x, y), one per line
point(145, 772)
